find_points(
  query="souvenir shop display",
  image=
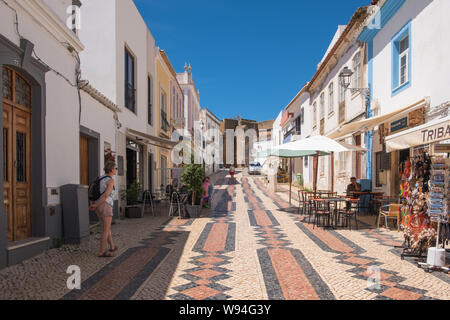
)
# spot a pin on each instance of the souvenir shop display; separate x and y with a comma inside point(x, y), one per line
point(438, 213)
point(418, 231)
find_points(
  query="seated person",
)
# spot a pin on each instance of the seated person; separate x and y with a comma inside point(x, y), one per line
point(351, 188)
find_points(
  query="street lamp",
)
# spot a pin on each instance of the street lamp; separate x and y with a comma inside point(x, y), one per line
point(345, 79)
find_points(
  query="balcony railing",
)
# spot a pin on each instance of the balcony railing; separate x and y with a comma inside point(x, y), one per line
point(130, 97)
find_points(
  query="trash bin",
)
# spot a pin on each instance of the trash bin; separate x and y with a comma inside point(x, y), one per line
point(299, 179)
point(75, 206)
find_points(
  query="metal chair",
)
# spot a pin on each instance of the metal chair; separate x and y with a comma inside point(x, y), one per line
point(321, 210)
point(391, 211)
point(351, 212)
point(301, 202)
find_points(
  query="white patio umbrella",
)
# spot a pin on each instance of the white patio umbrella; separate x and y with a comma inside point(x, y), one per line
point(313, 146)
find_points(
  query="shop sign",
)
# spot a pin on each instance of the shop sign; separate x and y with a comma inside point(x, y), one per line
point(399, 125)
point(416, 117)
point(436, 134)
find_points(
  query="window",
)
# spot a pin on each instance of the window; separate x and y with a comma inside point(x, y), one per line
point(177, 113)
point(401, 59)
point(302, 115)
point(173, 102)
point(322, 165)
point(164, 122)
point(322, 106)
point(298, 125)
point(342, 156)
point(331, 98)
point(150, 101)
point(357, 71)
point(130, 89)
point(341, 92)
point(314, 114)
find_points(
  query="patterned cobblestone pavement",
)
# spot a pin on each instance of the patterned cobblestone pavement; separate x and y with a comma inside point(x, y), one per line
point(249, 246)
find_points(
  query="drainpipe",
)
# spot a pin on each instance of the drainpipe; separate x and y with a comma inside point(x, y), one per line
point(368, 97)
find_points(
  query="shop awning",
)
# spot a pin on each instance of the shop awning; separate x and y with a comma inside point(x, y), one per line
point(369, 124)
point(434, 131)
point(153, 140)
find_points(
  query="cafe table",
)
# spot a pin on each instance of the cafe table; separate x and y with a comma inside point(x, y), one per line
point(334, 208)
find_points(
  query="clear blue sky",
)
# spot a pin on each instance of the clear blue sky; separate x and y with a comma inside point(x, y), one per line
point(249, 57)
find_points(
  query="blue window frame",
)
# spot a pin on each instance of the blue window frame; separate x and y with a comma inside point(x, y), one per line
point(401, 60)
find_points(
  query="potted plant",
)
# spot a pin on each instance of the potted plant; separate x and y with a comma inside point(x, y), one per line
point(133, 209)
point(192, 178)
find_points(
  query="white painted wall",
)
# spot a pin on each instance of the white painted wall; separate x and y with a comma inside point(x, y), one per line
point(61, 122)
point(355, 106)
point(99, 118)
point(59, 7)
point(430, 65)
point(108, 27)
point(98, 33)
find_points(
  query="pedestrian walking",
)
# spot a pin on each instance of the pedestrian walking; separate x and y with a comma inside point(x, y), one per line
point(104, 209)
point(206, 194)
point(232, 172)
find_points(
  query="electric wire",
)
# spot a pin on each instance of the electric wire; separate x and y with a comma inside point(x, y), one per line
point(80, 84)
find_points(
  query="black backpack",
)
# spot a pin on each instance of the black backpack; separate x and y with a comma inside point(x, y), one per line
point(94, 189)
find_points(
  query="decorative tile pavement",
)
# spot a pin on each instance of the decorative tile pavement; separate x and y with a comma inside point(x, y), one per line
point(348, 253)
point(251, 245)
point(287, 273)
point(216, 240)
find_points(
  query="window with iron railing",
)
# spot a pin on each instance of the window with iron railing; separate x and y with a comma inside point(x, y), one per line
point(163, 107)
point(322, 127)
point(164, 123)
point(150, 102)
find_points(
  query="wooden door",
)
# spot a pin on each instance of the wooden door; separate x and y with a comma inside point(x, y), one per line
point(84, 160)
point(21, 174)
point(17, 154)
point(7, 168)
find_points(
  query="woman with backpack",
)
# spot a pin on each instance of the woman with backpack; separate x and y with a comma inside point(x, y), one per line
point(104, 209)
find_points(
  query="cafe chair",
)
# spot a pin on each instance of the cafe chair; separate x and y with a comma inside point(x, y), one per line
point(322, 211)
point(301, 202)
point(351, 213)
point(391, 211)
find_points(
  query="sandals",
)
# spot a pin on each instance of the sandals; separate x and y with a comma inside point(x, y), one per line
point(114, 250)
point(106, 255)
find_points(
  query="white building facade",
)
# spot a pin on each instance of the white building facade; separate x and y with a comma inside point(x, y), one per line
point(333, 105)
point(121, 64)
point(408, 71)
point(211, 147)
point(41, 123)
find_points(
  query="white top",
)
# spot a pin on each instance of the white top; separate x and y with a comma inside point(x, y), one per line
point(103, 187)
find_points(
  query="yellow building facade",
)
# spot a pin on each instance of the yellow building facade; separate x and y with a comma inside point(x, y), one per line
point(164, 75)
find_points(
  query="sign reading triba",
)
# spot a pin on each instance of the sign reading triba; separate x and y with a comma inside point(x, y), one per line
point(426, 134)
point(436, 134)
